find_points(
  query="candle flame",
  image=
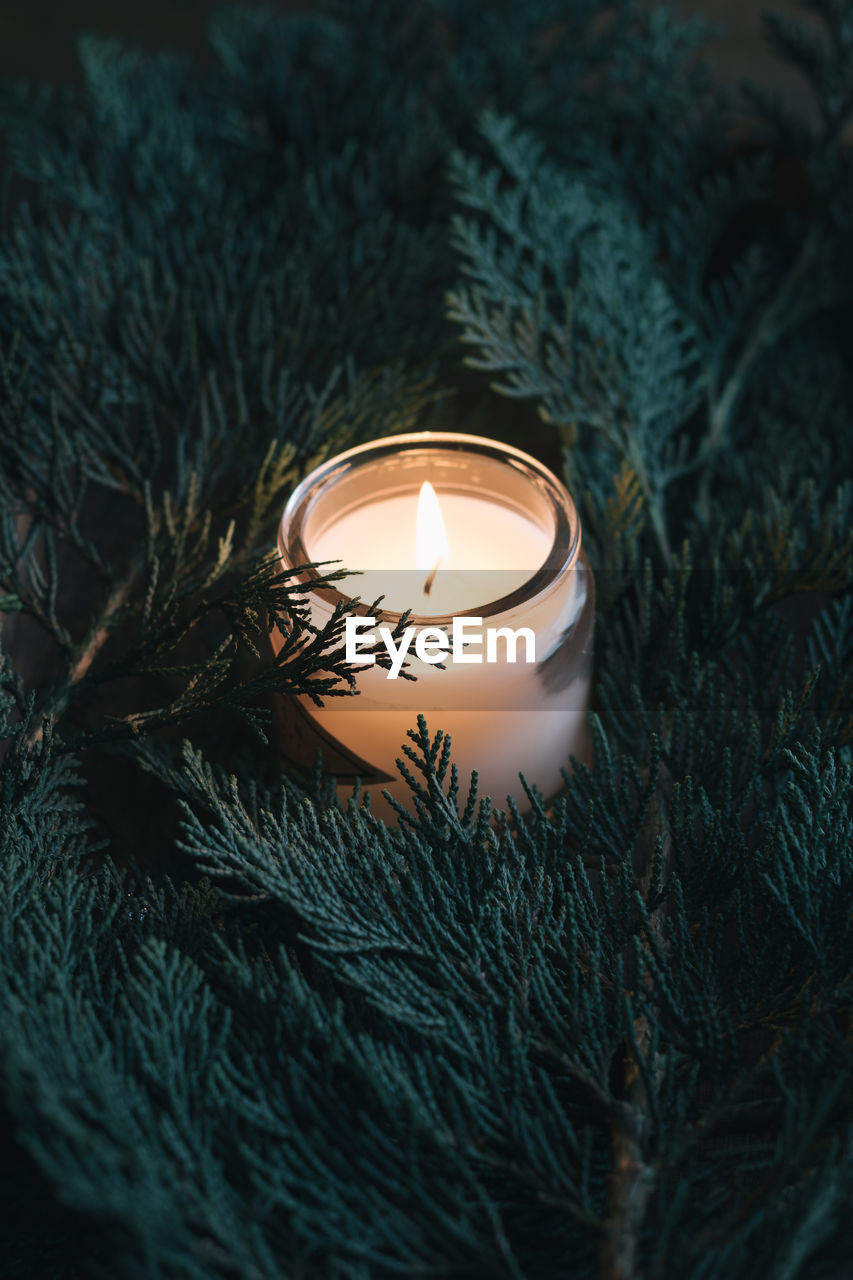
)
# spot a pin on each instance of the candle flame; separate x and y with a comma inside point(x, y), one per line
point(431, 545)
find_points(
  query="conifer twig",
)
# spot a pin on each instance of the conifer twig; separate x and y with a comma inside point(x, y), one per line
point(765, 333)
point(84, 655)
point(657, 517)
point(632, 1178)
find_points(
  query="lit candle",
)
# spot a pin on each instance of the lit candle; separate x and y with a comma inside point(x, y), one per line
point(482, 543)
point(451, 543)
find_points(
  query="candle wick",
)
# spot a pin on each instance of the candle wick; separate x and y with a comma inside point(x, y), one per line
point(431, 578)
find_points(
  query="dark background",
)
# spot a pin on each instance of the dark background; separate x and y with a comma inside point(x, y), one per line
point(37, 37)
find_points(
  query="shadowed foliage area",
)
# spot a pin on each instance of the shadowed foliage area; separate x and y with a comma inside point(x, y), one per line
point(248, 1030)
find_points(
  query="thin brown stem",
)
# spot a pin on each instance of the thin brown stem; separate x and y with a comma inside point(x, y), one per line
point(632, 1177)
point(631, 1180)
point(84, 656)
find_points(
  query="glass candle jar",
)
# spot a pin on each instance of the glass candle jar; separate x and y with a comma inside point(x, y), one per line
point(509, 578)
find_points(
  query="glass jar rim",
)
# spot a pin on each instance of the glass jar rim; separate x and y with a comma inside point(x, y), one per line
point(565, 544)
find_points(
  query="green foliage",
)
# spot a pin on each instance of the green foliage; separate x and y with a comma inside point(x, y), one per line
point(248, 1031)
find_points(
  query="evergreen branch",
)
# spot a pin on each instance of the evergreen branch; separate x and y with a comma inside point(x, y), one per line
point(631, 1183)
point(632, 1180)
point(773, 322)
point(82, 658)
point(612, 1026)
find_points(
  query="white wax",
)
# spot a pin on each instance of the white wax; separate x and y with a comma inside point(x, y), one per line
point(493, 548)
